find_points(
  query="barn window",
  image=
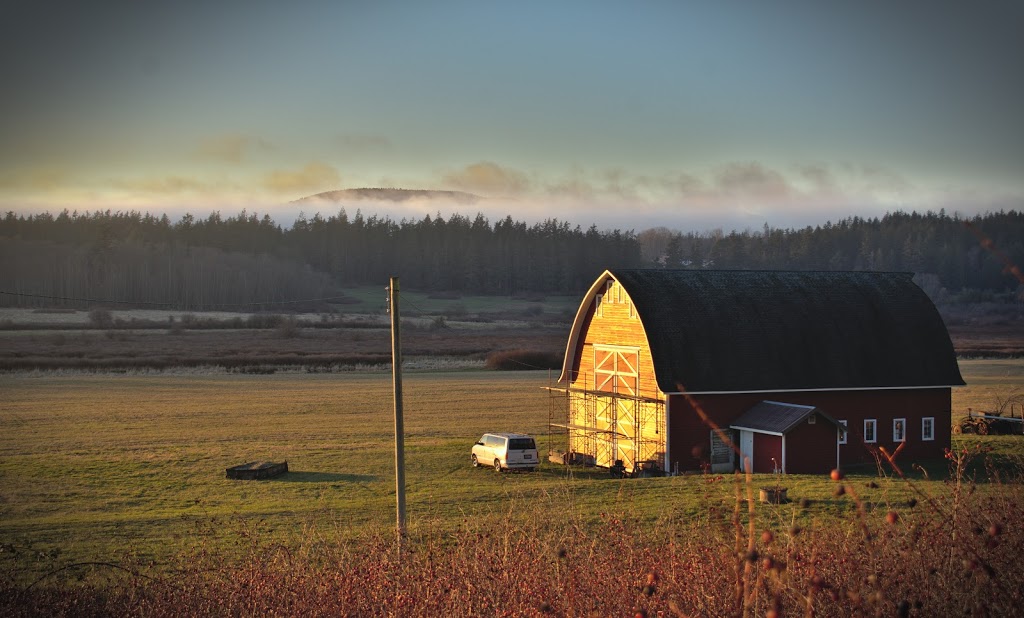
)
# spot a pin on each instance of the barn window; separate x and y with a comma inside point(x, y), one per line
point(870, 425)
point(899, 429)
point(928, 428)
point(842, 432)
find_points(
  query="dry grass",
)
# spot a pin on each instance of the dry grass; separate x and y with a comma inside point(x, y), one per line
point(951, 553)
point(287, 345)
point(115, 503)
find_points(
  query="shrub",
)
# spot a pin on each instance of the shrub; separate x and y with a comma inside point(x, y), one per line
point(533, 311)
point(288, 328)
point(101, 318)
point(264, 320)
point(457, 310)
point(523, 360)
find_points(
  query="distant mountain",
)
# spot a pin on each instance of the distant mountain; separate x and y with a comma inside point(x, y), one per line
point(390, 195)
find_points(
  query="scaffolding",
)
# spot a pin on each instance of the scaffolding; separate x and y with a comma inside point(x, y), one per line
point(602, 427)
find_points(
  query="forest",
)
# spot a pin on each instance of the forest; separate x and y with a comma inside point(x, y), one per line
point(244, 260)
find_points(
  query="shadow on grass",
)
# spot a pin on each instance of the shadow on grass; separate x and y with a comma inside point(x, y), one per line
point(323, 477)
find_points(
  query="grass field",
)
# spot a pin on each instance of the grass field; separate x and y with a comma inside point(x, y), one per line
point(113, 468)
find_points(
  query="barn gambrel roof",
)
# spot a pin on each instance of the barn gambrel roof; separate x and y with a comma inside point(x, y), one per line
point(761, 331)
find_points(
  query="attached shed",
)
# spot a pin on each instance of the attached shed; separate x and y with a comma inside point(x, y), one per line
point(787, 437)
point(657, 358)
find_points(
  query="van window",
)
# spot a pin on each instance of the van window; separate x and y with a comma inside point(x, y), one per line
point(494, 441)
point(521, 444)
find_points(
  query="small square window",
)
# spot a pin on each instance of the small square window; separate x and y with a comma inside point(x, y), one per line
point(811, 419)
point(928, 428)
point(899, 429)
point(870, 436)
point(842, 432)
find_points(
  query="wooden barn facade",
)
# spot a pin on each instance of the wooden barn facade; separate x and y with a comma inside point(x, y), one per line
point(804, 371)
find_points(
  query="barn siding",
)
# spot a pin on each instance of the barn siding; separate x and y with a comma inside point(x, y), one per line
point(688, 434)
point(811, 449)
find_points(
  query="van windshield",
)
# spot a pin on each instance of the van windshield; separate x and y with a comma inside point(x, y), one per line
point(521, 444)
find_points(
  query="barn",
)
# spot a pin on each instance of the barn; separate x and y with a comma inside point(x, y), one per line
point(803, 371)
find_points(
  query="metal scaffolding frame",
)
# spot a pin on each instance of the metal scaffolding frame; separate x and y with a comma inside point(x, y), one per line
point(615, 425)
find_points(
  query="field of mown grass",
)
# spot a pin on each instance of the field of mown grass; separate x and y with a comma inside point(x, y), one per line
point(116, 483)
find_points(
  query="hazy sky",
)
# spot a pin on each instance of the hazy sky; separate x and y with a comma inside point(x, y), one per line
point(626, 114)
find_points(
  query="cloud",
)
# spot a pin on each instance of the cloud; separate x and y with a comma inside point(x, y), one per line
point(364, 142)
point(231, 147)
point(170, 185)
point(34, 178)
point(751, 180)
point(315, 176)
point(488, 178)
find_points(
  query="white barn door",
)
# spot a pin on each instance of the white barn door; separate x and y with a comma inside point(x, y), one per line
point(746, 450)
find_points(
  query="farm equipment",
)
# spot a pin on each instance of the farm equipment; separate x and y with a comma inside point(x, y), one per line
point(984, 423)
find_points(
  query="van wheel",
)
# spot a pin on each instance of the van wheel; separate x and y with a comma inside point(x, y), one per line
point(497, 465)
point(476, 464)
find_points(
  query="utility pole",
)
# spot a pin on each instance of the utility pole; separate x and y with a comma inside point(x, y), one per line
point(396, 367)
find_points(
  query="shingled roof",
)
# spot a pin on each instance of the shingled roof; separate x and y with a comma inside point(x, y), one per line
point(747, 331)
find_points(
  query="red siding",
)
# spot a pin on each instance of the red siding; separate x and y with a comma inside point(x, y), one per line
point(811, 449)
point(688, 434)
point(767, 448)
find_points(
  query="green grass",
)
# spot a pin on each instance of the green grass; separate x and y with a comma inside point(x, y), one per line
point(94, 467)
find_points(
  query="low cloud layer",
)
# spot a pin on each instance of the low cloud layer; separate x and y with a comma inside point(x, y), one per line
point(33, 179)
point(487, 178)
point(732, 195)
point(231, 147)
point(315, 176)
point(737, 186)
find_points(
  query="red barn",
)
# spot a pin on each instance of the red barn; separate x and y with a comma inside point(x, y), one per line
point(803, 371)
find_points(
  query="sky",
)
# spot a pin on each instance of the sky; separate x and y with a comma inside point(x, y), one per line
point(689, 115)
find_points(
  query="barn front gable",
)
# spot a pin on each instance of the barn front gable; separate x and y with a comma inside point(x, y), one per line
point(615, 409)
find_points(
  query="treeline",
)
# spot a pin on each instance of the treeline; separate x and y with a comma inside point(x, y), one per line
point(961, 256)
point(227, 262)
point(216, 262)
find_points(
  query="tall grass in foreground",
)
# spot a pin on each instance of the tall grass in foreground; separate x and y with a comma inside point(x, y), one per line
point(955, 553)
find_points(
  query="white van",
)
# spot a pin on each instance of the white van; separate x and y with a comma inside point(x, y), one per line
point(505, 451)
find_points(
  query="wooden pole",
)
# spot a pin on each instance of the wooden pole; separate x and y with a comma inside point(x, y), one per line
point(396, 366)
